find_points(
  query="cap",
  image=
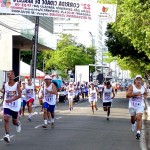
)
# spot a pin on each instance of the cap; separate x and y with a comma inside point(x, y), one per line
point(22, 82)
point(138, 76)
point(71, 83)
point(47, 77)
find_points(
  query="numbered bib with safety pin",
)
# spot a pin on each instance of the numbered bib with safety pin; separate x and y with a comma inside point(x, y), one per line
point(107, 96)
point(136, 101)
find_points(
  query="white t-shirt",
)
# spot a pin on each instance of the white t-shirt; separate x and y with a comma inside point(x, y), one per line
point(49, 98)
point(71, 91)
point(107, 94)
point(30, 93)
point(100, 87)
point(137, 101)
point(93, 95)
point(11, 91)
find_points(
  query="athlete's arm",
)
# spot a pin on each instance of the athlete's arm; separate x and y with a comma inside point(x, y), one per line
point(131, 94)
point(54, 90)
point(113, 93)
point(145, 94)
point(102, 92)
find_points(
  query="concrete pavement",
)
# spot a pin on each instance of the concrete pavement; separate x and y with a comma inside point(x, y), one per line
point(76, 130)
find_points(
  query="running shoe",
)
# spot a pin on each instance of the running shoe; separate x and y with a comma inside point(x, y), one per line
point(52, 125)
point(29, 119)
point(49, 121)
point(138, 136)
point(107, 118)
point(44, 125)
point(6, 138)
point(18, 127)
point(133, 127)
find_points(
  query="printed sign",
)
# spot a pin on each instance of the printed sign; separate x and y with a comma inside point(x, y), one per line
point(57, 8)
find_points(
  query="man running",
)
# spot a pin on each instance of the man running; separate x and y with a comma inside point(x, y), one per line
point(107, 97)
point(100, 87)
point(30, 96)
point(49, 93)
point(136, 94)
point(11, 104)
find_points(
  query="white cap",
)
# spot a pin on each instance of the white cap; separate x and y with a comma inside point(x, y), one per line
point(47, 77)
point(22, 82)
point(138, 76)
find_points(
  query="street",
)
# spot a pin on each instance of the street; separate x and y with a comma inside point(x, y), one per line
point(76, 130)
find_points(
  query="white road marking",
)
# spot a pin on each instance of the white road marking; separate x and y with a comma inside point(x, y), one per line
point(11, 136)
point(38, 126)
point(1, 120)
point(58, 117)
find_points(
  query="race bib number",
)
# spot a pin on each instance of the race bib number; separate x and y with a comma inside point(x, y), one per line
point(29, 93)
point(93, 96)
point(9, 96)
point(71, 93)
point(48, 99)
point(48, 96)
point(136, 101)
point(107, 95)
point(12, 104)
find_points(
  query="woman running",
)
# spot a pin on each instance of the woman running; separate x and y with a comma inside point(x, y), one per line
point(93, 96)
point(71, 92)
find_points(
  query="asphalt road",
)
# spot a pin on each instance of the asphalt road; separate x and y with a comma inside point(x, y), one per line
point(76, 130)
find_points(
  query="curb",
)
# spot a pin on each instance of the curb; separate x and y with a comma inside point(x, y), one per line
point(147, 120)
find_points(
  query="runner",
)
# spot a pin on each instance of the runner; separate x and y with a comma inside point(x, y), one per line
point(107, 97)
point(11, 104)
point(93, 96)
point(23, 97)
point(136, 94)
point(30, 96)
point(50, 94)
point(71, 94)
point(100, 87)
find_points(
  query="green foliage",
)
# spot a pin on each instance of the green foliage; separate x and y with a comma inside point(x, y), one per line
point(26, 56)
point(129, 37)
point(68, 54)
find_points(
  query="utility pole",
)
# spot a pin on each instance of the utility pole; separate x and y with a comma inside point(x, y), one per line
point(34, 51)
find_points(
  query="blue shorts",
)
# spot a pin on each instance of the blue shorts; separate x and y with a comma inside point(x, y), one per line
point(49, 107)
point(10, 112)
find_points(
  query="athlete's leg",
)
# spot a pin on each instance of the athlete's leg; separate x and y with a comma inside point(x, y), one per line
point(139, 121)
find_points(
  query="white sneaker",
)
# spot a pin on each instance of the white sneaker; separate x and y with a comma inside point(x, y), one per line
point(18, 128)
point(133, 127)
point(49, 121)
point(6, 138)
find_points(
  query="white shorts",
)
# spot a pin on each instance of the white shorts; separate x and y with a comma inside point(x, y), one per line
point(134, 111)
point(70, 98)
point(95, 100)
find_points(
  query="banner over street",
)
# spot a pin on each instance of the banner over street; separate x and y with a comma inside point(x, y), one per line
point(57, 8)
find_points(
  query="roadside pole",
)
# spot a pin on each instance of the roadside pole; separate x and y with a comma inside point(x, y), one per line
point(34, 51)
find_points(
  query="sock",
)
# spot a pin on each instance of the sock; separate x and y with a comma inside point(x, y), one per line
point(45, 121)
point(138, 131)
point(30, 115)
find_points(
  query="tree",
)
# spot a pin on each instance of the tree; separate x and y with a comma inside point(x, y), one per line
point(26, 56)
point(68, 54)
point(130, 34)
